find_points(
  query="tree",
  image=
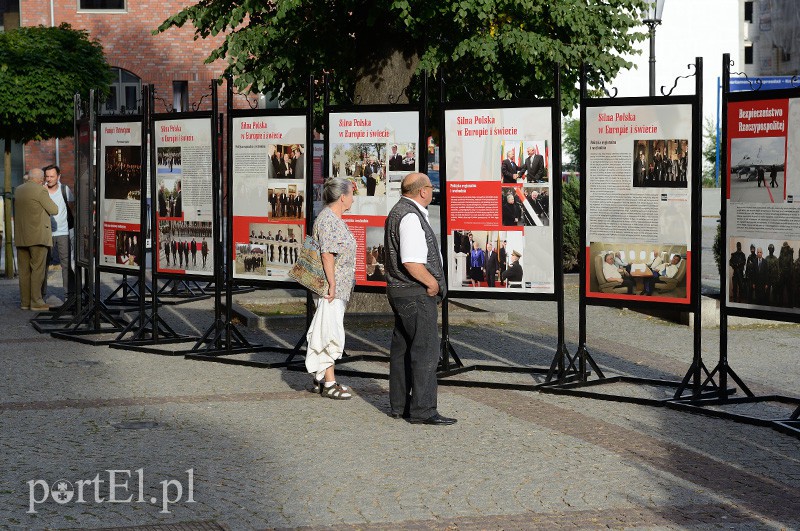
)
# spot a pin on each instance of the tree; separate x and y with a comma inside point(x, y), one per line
point(709, 154)
point(41, 68)
point(376, 51)
point(571, 142)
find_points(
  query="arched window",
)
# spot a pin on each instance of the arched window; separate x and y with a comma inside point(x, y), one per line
point(126, 93)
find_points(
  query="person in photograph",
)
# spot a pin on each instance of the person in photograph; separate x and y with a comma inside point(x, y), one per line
point(784, 288)
point(133, 250)
point(514, 271)
point(750, 273)
point(273, 202)
point(409, 161)
point(193, 251)
point(510, 213)
point(395, 160)
point(369, 173)
point(503, 256)
point(773, 176)
point(415, 286)
point(760, 173)
point(33, 238)
point(287, 166)
point(298, 206)
point(271, 167)
point(737, 263)
point(326, 335)
point(491, 265)
point(174, 248)
point(466, 243)
point(639, 169)
point(178, 201)
point(298, 162)
point(668, 270)
point(509, 168)
point(62, 225)
point(204, 251)
point(283, 199)
point(162, 201)
point(477, 261)
point(773, 276)
point(533, 167)
point(166, 251)
point(619, 261)
point(612, 273)
point(666, 165)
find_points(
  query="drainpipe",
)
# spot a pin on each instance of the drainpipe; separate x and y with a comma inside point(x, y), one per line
point(52, 24)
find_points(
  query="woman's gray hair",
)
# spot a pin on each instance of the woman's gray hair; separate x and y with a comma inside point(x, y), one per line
point(335, 187)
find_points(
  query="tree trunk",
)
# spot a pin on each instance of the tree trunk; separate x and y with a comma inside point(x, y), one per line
point(7, 211)
point(387, 80)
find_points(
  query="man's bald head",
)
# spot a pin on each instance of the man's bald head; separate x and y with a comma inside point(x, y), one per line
point(413, 183)
point(36, 175)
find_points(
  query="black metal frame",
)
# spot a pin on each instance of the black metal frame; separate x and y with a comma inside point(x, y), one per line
point(227, 338)
point(582, 357)
point(557, 368)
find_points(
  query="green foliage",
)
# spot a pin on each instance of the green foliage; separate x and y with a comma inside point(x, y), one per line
point(571, 142)
point(716, 248)
point(571, 214)
point(709, 153)
point(487, 49)
point(41, 68)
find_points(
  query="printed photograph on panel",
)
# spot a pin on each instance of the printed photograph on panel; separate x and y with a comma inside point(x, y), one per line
point(286, 161)
point(286, 201)
point(757, 170)
point(660, 163)
point(638, 269)
point(185, 246)
point(764, 272)
point(123, 172)
point(364, 165)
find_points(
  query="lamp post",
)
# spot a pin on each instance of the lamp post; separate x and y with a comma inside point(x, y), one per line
point(653, 12)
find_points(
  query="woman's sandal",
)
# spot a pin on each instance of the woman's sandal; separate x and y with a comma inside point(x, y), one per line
point(336, 392)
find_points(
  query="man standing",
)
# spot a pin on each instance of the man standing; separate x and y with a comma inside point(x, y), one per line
point(193, 250)
point(509, 168)
point(639, 170)
point(33, 238)
point(204, 251)
point(491, 265)
point(750, 270)
point(533, 166)
point(61, 224)
point(415, 285)
point(503, 257)
point(395, 160)
point(514, 271)
point(162, 201)
point(737, 263)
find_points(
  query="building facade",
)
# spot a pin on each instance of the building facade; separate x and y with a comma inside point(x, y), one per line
point(173, 62)
point(771, 37)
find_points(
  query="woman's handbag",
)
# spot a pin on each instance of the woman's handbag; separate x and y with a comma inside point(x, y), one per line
point(308, 269)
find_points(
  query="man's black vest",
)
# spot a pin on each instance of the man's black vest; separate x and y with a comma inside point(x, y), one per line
point(399, 282)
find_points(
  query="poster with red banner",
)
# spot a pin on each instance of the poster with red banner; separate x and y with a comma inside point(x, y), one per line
point(374, 151)
point(639, 185)
point(762, 213)
point(268, 155)
point(120, 190)
point(498, 193)
point(184, 196)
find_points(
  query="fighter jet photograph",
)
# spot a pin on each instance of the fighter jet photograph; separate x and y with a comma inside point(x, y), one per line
point(757, 170)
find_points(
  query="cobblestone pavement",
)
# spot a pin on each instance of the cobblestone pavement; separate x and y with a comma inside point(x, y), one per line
point(200, 445)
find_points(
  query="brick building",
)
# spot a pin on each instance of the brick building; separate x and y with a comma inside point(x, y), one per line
point(171, 61)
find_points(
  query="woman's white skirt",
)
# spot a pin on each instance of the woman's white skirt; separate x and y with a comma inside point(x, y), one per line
point(325, 336)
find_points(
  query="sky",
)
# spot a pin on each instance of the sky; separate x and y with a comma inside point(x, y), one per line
point(689, 28)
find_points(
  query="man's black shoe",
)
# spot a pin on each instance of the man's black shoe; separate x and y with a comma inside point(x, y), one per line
point(435, 420)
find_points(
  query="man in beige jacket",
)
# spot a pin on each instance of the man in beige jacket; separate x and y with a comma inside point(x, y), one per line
point(33, 238)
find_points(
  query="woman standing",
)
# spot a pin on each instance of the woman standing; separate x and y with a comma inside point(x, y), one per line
point(477, 261)
point(338, 252)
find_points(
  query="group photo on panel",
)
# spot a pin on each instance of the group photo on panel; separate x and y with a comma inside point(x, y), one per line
point(660, 163)
point(769, 275)
point(271, 246)
point(758, 170)
point(638, 269)
point(364, 165)
point(185, 245)
point(123, 172)
point(487, 259)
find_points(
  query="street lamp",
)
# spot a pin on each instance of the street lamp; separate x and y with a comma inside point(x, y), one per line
point(653, 19)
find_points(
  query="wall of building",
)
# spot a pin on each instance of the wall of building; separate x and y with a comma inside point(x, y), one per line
point(775, 36)
point(129, 44)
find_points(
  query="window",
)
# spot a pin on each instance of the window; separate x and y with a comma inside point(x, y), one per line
point(180, 96)
point(748, 54)
point(126, 93)
point(101, 5)
point(748, 12)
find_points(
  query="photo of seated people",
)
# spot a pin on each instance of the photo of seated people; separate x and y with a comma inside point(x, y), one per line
point(375, 257)
point(660, 163)
point(364, 165)
point(286, 161)
point(185, 245)
point(764, 272)
point(286, 202)
point(638, 269)
point(521, 207)
point(123, 172)
point(127, 247)
point(251, 259)
point(280, 243)
point(486, 259)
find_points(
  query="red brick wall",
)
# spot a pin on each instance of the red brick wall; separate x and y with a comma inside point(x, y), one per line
point(128, 43)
